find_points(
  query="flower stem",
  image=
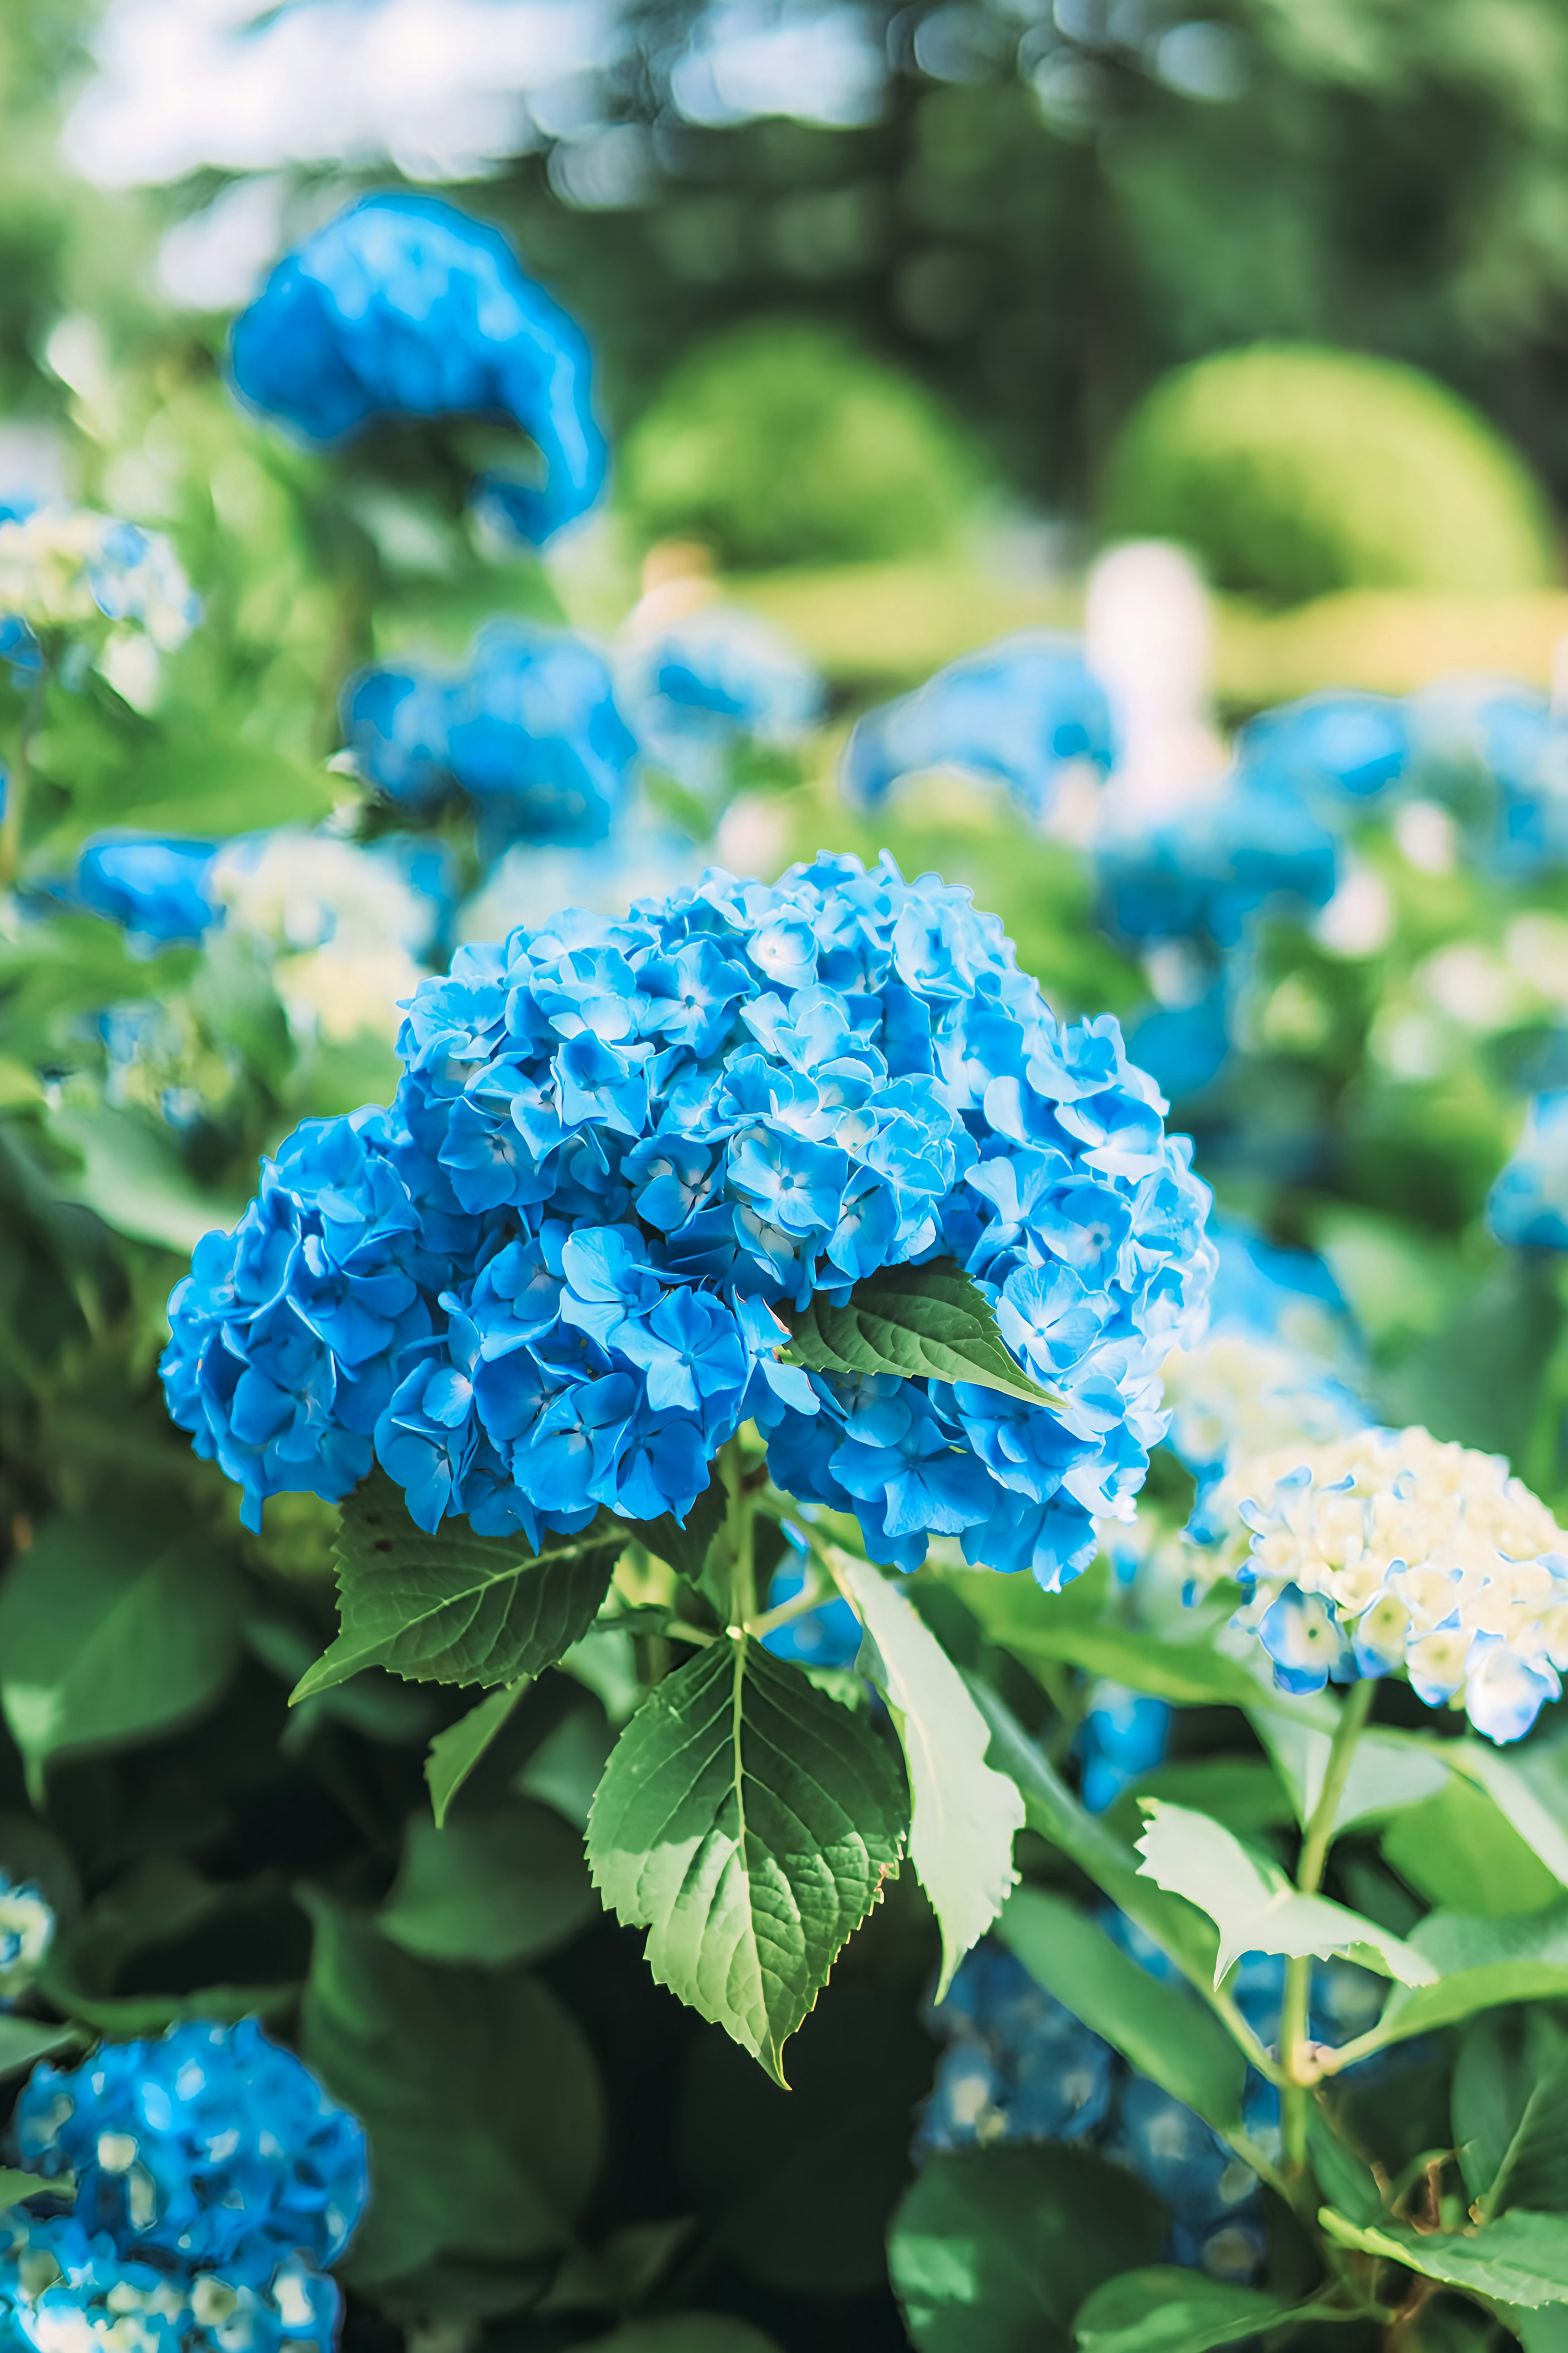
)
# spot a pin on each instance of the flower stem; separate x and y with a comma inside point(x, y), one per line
point(742, 1571)
point(1295, 2051)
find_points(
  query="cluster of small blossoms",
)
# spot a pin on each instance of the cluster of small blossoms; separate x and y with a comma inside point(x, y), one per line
point(530, 733)
point(1390, 1553)
point(1018, 2066)
point(67, 568)
point(214, 2181)
point(1274, 1365)
point(700, 687)
point(403, 306)
point(26, 1931)
point(550, 1277)
point(1020, 711)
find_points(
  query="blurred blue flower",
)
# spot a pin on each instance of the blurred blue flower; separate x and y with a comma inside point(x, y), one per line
point(26, 1931)
point(404, 306)
point(1208, 870)
point(720, 678)
point(1353, 746)
point(214, 2146)
point(1019, 2067)
point(531, 731)
point(1019, 711)
point(828, 1636)
point(63, 2285)
point(1122, 1737)
point(1527, 1209)
point(157, 887)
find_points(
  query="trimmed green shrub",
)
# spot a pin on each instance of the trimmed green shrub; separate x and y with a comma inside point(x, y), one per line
point(1293, 472)
point(785, 441)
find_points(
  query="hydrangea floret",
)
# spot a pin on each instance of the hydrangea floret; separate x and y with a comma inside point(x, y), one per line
point(556, 1274)
point(1392, 1553)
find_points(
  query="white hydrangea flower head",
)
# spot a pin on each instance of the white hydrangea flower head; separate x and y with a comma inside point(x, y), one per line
point(1236, 1396)
point(1392, 1552)
point(65, 567)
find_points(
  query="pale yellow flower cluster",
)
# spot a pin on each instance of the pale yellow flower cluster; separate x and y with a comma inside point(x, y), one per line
point(1235, 1396)
point(63, 567)
point(1391, 1551)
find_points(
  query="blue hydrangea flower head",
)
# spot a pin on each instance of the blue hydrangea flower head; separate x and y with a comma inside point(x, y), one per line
point(215, 2148)
point(531, 731)
point(1019, 2067)
point(1209, 869)
point(717, 678)
point(623, 1149)
point(404, 306)
point(157, 886)
point(1351, 746)
point(26, 1931)
point(1019, 711)
point(1389, 1553)
point(1527, 1209)
point(64, 2287)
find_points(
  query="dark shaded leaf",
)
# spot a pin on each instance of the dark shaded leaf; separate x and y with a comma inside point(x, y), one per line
point(455, 1608)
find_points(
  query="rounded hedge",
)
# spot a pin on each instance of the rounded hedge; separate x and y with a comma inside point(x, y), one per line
point(785, 441)
point(1293, 472)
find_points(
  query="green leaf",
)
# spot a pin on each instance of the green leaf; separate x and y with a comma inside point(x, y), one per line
point(1481, 1965)
point(1034, 1629)
point(832, 2153)
point(1343, 2179)
point(111, 1635)
point(1387, 1773)
point(146, 1924)
point(1051, 1810)
point(1519, 2258)
point(455, 1752)
point(1243, 1792)
point(924, 1323)
point(993, 2251)
point(568, 1764)
point(1461, 1852)
point(1254, 1905)
point(1510, 2112)
point(688, 2332)
point(478, 2092)
point(25, 2041)
point(492, 1888)
point(456, 1607)
point(1163, 2309)
point(749, 1823)
point(965, 1815)
point(1529, 1790)
point(14, 2185)
point(132, 1173)
point(1162, 2029)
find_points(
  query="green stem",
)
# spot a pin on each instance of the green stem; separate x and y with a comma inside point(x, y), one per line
point(738, 1521)
point(11, 824)
point(1300, 2070)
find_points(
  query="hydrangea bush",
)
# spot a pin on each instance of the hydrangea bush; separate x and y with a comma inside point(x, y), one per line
point(815, 1705)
